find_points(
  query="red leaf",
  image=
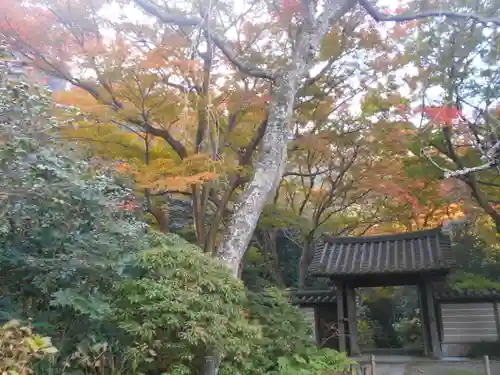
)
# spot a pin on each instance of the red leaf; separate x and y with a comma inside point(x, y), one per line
point(291, 4)
point(401, 108)
point(395, 12)
point(291, 8)
point(400, 31)
point(442, 115)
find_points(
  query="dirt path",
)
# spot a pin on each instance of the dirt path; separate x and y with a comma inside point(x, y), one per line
point(400, 365)
point(391, 369)
point(451, 368)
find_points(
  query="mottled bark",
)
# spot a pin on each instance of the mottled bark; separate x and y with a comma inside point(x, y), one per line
point(269, 167)
point(305, 259)
point(271, 161)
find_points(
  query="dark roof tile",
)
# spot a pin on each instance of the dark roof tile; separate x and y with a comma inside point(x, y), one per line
point(313, 297)
point(448, 293)
point(397, 253)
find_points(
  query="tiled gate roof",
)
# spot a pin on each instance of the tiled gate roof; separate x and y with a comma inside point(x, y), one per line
point(396, 253)
point(313, 297)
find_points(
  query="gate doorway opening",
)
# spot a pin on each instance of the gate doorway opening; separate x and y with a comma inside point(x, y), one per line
point(389, 321)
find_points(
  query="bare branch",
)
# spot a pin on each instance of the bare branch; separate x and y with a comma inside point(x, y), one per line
point(162, 133)
point(494, 151)
point(219, 40)
point(153, 9)
point(182, 88)
point(488, 183)
point(243, 65)
point(467, 171)
point(312, 174)
point(379, 17)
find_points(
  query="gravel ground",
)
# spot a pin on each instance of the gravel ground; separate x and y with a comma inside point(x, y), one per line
point(451, 368)
point(401, 365)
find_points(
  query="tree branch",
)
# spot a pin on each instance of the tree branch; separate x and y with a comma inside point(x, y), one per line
point(243, 65)
point(312, 174)
point(488, 183)
point(153, 9)
point(162, 133)
point(379, 17)
point(467, 171)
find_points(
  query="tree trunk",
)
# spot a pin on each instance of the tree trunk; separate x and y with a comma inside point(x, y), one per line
point(482, 200)
point(305, 260)
point(303, 265)
point(268, 170)
point(271, 161)
point(161, 218)
point(268, 247)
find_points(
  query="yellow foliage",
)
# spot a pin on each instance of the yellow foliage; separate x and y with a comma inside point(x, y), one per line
point(81, 99)
point(162, 174)
point(164, 169)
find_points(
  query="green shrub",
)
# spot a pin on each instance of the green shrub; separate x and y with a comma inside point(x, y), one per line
point(284, 330)
point(183, 305)
point(314, 362)
point(285, 343)
point(468, 281)
point(20, 348)
point(366, 332)
point(63, 228)
point(409, 331)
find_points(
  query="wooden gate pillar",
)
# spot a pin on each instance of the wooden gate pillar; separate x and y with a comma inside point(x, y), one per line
point(352, 323)
point(341, 315)
point(423, 320)
point(430, 313)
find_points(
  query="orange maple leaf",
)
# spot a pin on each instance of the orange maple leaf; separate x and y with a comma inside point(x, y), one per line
point(443, 115)
point(401, 108)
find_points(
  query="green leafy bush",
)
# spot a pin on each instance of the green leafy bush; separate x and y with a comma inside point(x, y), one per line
point(314, 362)
point(366, 332)
point(184, 305)
point(285, 339)
point(468, 281)
point(62, 224)
point(284, 330)
point(63, 228)
point(409, 330)
point(20, 348)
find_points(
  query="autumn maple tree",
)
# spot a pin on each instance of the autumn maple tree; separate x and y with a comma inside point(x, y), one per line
point(455, 100)
point(140, 83)
point(153, 109)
